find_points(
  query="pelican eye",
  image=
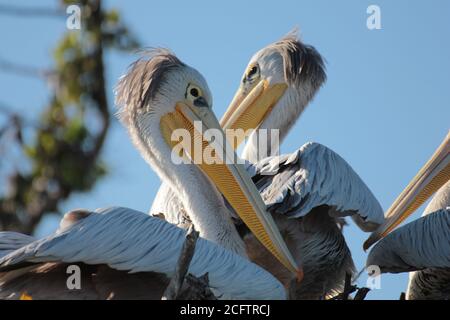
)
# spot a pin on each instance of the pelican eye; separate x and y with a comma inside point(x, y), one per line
point(251, 74)
point(194, 92)
point(195, 95)
point(253, 71)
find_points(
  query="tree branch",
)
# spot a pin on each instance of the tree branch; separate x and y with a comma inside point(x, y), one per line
point(361, 294)
point(348, 289)
point(8, 112)
point(30, 11)
point(23, 70)
point(187, 252)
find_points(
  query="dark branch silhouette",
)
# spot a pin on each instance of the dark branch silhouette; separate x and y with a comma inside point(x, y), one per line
point(8, 66)
point(31, 11)
point(183, 286)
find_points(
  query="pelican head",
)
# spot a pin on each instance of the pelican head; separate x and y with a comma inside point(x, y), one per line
point(277, 84)
point(433, 175)
point(160, 95)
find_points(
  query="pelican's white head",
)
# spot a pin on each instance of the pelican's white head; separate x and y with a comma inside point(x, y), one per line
point(277, 84)
point(153, 87)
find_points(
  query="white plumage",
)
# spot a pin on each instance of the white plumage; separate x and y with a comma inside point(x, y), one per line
point(422, 246)
point(306, 191)
point(157, 96)
point(294, 188)
point(132, 241)
point(294, 184)
point(313, 176)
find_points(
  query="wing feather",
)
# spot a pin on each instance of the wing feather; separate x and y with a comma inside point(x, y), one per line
point(312, 176)
point(129, 240)
point(423, 243)
point(10, 241)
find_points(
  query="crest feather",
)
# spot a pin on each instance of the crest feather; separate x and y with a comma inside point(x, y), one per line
point(302, 63)
point(143, 79)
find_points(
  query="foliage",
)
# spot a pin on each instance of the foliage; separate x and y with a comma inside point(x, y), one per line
point(65, 148)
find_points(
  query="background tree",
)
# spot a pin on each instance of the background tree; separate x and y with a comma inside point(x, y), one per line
point(64, 149)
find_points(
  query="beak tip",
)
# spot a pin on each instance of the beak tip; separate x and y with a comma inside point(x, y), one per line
point(366, 245)
point(374, 237)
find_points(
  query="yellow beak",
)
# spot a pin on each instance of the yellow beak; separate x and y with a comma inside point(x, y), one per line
point(248, 110)
point(433, 175)
point(229, 177)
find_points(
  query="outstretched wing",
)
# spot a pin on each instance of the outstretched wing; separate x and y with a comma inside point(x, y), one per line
point(423, 243)
point(10, 241)
point(314, 175)
point(125, 239)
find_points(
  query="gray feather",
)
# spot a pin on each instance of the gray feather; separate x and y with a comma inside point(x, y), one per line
point(143, 80)
point(10, 241)
point(128, 240)
point(312, 176)
point(303, 65)
point(423, 243)
point(294, 184)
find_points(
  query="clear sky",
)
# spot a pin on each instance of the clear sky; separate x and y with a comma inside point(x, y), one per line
point(385, 106)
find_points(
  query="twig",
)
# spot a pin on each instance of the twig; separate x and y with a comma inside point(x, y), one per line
point(187, 252)
point(30, 11)
point(23, 70)
point(196, 288)
point(358, 275)
point(13, 115)
point(348, 289)
point(347, 286)
point(361, 294)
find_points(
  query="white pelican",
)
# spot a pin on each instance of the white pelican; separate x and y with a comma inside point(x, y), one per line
point(423, 245)
point(312, 188)
point(158, 95)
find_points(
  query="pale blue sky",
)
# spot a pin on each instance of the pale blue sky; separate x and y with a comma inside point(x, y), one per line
point(385, 107)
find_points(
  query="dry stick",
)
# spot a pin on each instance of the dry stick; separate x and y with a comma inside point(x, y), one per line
point(348, 289)
point(28, 11)
point(187, 252)
point(361, 294)
point(24, 70)
point(196, 288)
point(347, 286)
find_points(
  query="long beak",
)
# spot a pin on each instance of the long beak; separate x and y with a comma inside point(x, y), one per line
point(231, 179)
point(433, 175)
point(248, 110)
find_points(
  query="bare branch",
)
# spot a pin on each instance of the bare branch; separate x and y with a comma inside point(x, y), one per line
point(30, 11)
point(15, 116)
point(348, 289)
point(23, 70)
point(347, 286)
point(361, 294)
point(187, 252)
point(196, 289)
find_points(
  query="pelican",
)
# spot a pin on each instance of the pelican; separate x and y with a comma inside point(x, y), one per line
point(158, 96)
point(421, 246)
point(307, 192)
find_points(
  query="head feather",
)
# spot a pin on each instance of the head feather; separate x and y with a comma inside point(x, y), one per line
point(143, 80)
point(302, 63)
